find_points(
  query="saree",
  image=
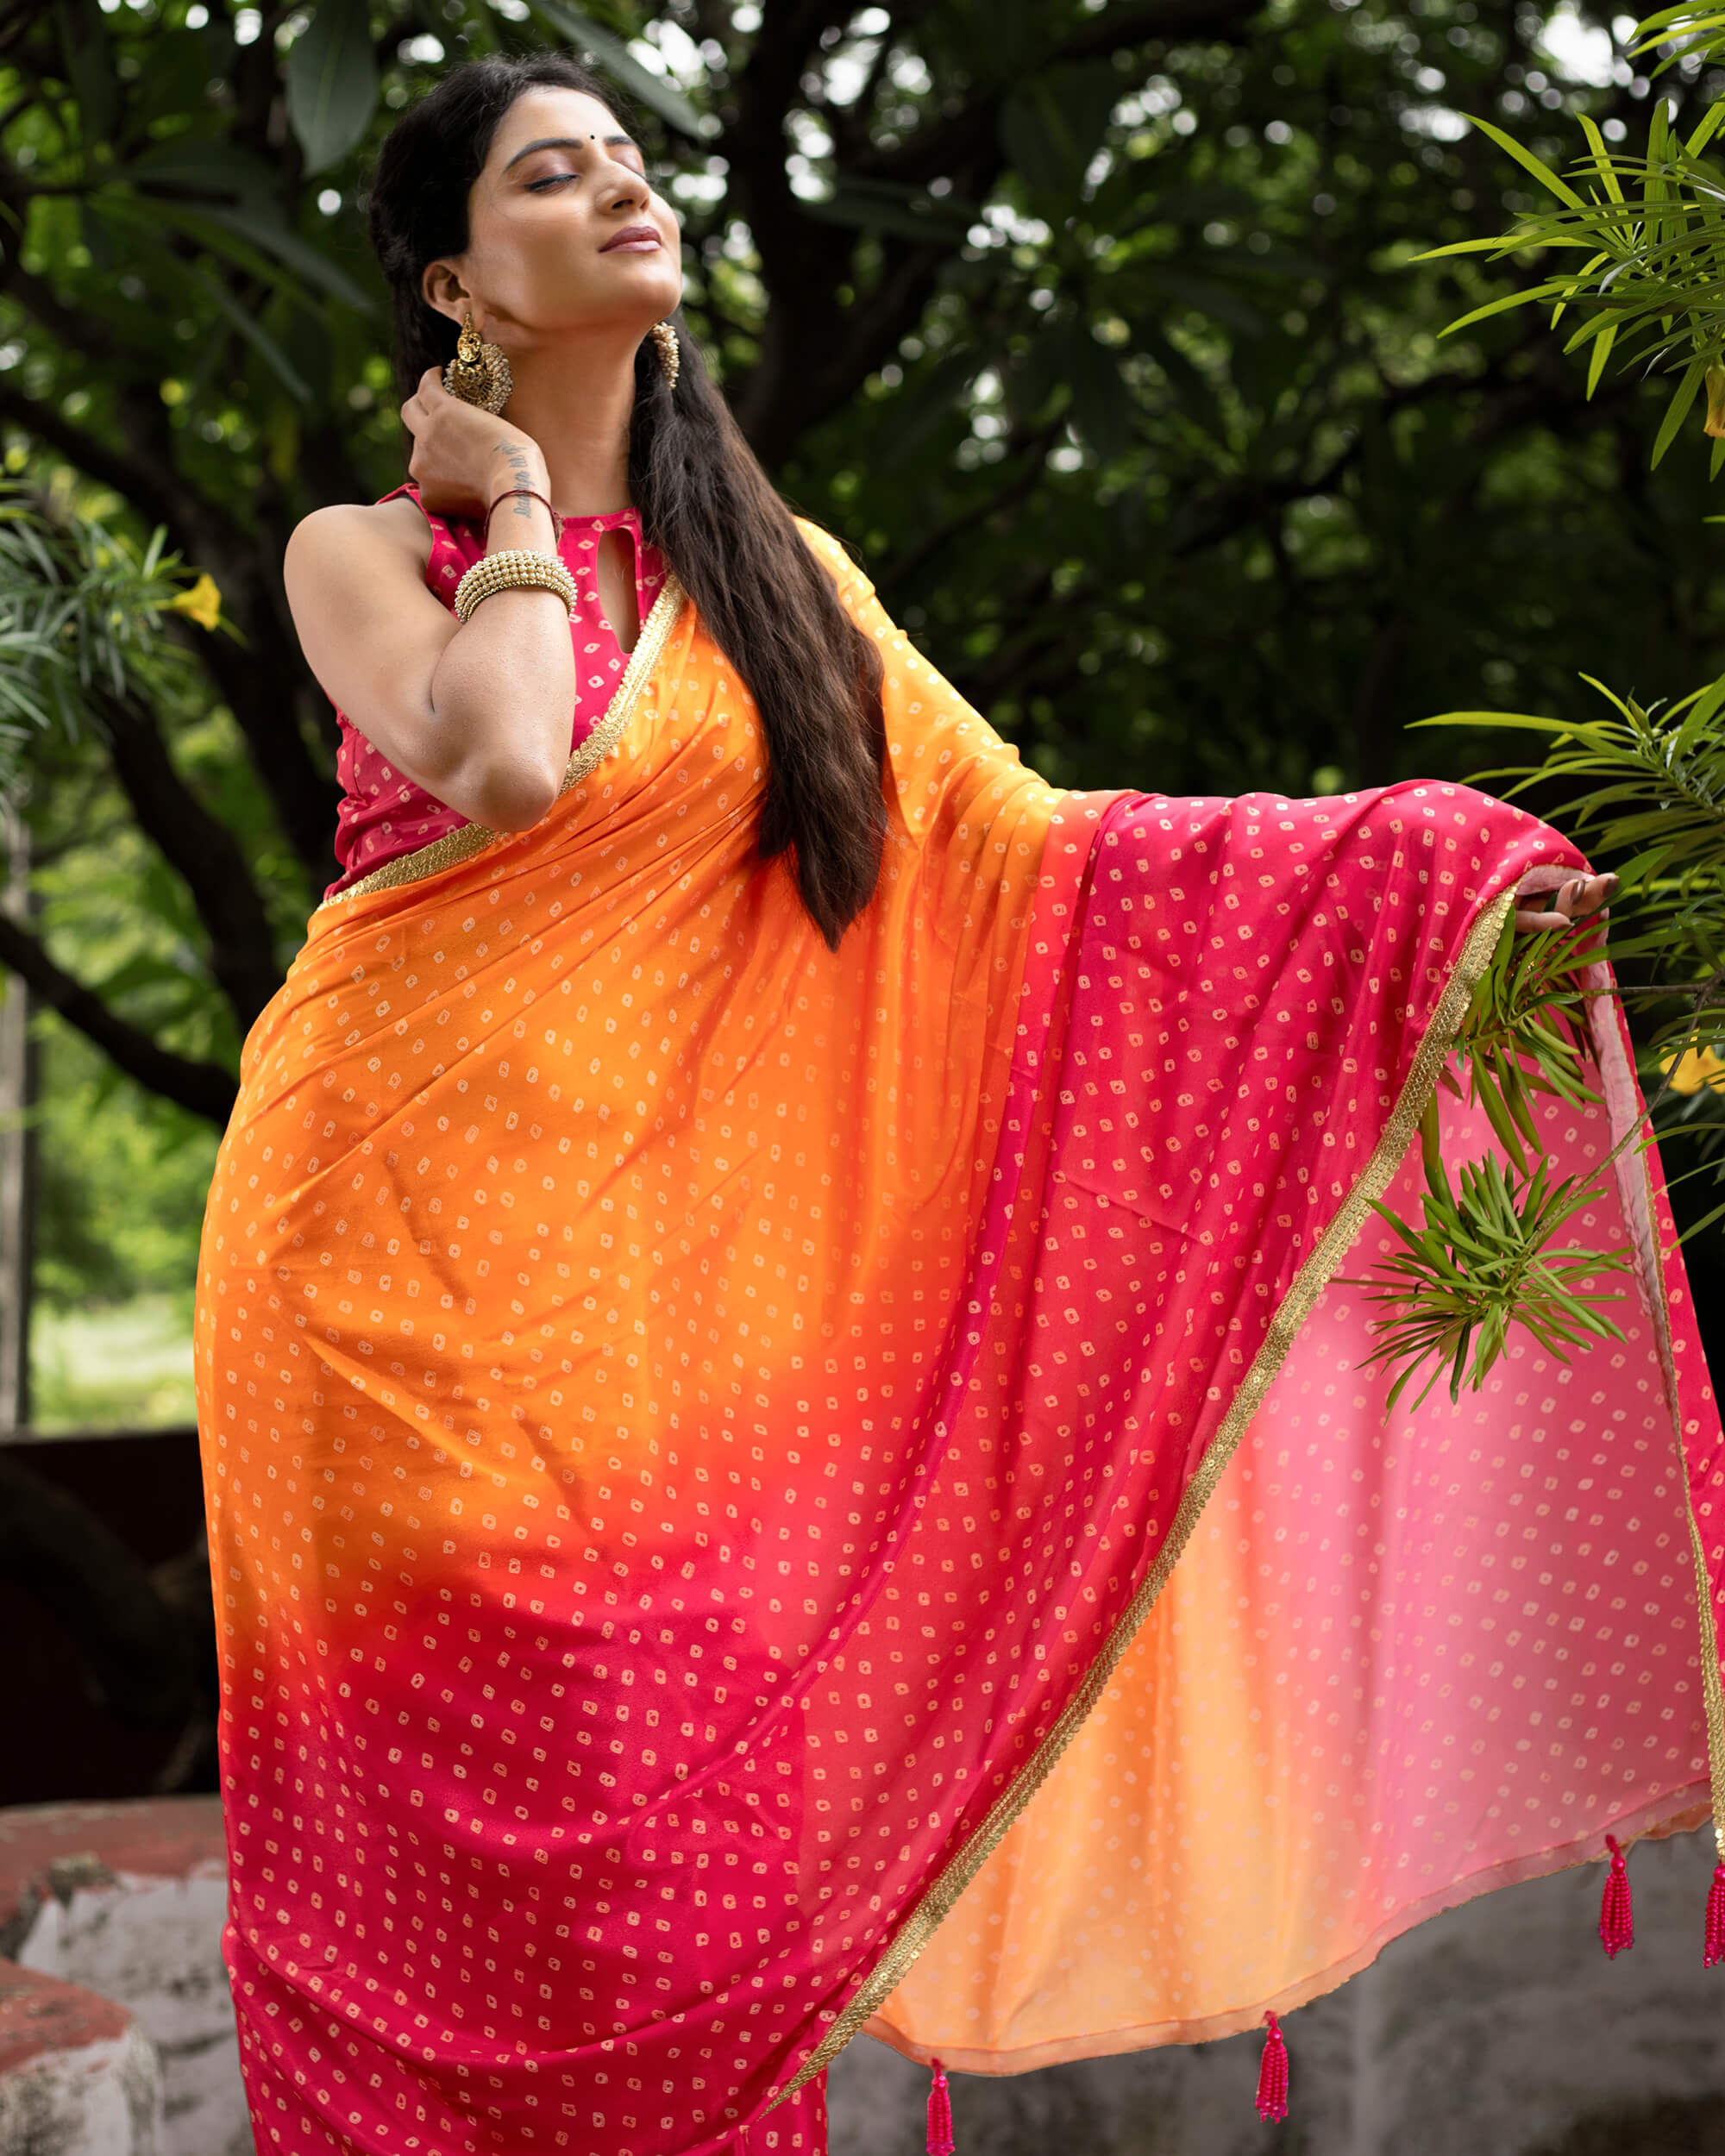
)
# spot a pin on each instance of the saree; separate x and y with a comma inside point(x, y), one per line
point(699, 1429)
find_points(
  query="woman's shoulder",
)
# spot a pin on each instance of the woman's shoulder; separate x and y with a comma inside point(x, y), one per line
point(346, 535)
point(852, 582)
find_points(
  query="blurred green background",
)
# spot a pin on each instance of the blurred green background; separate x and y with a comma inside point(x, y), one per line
point(1094, 330)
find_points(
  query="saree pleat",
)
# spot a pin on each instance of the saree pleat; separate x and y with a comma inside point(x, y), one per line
point(698, 1429)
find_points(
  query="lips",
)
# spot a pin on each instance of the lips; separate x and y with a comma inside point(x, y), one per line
point(634, 239)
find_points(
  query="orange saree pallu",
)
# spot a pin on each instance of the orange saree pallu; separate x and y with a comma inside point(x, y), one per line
point(699, 1430)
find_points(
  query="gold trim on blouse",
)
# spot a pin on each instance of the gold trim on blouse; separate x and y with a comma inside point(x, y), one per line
point(469, 839)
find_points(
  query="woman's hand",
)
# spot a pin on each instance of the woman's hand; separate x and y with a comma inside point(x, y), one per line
point(1573, 896)
point(463, 457)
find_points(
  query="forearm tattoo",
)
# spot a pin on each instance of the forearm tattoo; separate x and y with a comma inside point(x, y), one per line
point(520, 474)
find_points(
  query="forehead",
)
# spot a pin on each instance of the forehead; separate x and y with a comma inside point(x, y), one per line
point(544, 109)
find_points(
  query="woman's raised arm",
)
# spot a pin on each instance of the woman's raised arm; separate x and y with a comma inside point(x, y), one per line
point(479, 714)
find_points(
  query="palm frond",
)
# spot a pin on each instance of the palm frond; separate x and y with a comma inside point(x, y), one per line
point(81, 614)
point(1645, 793)
point(1480, 1264)
point(1636, 242)
point(1526, 1032)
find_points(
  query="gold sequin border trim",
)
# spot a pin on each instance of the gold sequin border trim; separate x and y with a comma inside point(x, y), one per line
point(1296, 1306)
point(457, 846)
point(1712, 1691)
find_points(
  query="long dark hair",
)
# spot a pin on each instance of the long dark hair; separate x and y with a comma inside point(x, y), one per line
point(765, 599)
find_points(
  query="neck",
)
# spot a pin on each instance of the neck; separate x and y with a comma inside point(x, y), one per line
point(576, 398)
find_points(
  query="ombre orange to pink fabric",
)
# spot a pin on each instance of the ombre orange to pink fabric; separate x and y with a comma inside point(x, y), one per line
point(699, 1427)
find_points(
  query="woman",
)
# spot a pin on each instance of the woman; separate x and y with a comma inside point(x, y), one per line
point(750, 1234)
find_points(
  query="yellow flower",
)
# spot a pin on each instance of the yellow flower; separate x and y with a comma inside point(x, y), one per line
point(1715, 423)
point(1694, 1068)
point(202, 603)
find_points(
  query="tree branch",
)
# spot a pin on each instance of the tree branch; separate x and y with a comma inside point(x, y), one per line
point(205, 1088)
point(911, 564)
point(204, 853)
point(785, 394)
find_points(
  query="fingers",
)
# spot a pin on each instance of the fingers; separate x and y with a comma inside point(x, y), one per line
point(417, 409)
point(1583, 894)
point(1571, 901)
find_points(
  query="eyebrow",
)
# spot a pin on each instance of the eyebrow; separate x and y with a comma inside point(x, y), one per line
point(571, 142)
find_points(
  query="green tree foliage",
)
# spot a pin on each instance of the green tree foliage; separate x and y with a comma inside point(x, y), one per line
point(1627, 244)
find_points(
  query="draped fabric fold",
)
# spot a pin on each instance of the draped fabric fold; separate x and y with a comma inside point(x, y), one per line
point(699, 1428)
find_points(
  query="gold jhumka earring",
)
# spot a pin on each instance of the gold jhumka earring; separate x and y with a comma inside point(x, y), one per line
point(479, 373)
point(670, 355)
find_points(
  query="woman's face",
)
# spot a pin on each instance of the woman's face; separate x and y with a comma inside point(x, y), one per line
point(565, 236)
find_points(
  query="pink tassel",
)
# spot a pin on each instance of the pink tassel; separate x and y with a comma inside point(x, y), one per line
point(1272, 2074)
point(939, 2114)
point(1715, 1918)
point(1617, 1917)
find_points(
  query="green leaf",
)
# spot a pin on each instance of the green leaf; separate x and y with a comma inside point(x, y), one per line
point(332, 82)
point(928, 401)
point(270, 237)
point(1515, 719)
point(252, 330)
point(1053, 125)
point(213, 174)
point(1677, 411)
point(1710, 126)
point(610, 53)
point(1602, 158)
point(1102, 407)
point(1525, 157)
point(90, 64)
point(1042, 370)
point(1468, 246)
point(1209, 295)
point(1502, 305)
point(1194, 392)
point(892, 206)
point(246, 240)
point(1601, 352)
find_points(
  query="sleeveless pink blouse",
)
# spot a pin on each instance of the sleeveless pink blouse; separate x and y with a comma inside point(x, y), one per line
point(383, 813)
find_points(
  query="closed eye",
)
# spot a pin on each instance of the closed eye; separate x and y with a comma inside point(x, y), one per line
point(556, 180)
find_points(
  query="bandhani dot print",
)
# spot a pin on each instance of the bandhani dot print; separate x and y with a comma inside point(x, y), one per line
point(1395, 1665)
point(699, 1429)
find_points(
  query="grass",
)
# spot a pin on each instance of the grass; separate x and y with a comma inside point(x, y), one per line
point(113, 1366)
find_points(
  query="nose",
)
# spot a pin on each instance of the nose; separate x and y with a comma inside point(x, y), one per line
point(627, 188)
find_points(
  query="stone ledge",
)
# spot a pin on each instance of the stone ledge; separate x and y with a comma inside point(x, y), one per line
point(116, 2030)
point(78, 2076)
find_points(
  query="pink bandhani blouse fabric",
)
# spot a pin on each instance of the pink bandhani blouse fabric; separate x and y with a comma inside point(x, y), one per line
point(383, 813)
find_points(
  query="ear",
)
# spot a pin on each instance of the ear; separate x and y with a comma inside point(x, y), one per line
point(441, 287)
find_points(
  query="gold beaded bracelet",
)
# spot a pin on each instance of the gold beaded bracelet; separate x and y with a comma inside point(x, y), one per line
point(513, 568)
